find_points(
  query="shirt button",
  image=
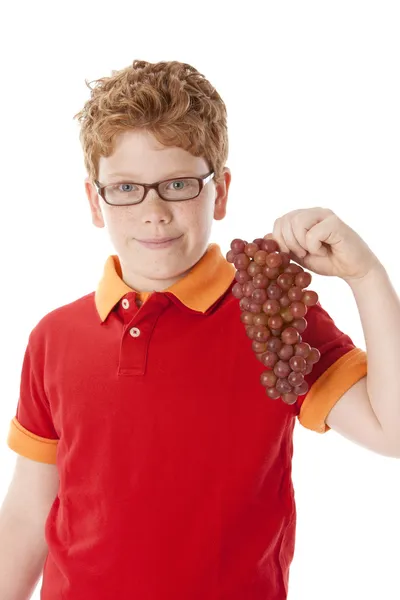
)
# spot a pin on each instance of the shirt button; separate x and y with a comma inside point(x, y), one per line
point(135, 332)
point(125, 303)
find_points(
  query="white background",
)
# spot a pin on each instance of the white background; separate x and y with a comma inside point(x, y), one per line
point(313, 95)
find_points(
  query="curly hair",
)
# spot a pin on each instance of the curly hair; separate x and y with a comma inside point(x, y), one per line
point(172, 100)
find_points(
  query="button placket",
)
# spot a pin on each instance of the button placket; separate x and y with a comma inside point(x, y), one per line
point(134, 347)
point(127, 308)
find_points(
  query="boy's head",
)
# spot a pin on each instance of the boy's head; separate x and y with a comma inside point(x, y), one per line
point(149, 123)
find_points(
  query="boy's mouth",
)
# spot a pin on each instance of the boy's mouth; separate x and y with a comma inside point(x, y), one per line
point(157, 243)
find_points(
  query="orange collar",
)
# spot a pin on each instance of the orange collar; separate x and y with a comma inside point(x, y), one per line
point(198, 290)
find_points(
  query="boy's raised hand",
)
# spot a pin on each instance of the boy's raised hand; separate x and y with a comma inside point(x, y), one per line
point(319, 241)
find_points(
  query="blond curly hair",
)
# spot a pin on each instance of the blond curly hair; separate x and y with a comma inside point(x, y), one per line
point(172, 100)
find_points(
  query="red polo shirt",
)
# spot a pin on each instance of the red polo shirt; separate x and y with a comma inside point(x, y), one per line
point(175, 467)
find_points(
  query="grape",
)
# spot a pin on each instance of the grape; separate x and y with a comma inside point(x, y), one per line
point(268, 379)
point(246, 318)
point(302, 349)
point(285, 281)
point(254, 307)
point(261, 333)
point(259, 295)
point(272, 393)
point(300, 324)
point(284, 301)
point(286, 351)
point(237, 246)
point(241, 261)
point(282, 368)
point(294, 269)
point(302, 280)
point(248, 289)
point(283, 386)
point(274, 344)
point(244, 302)
point(254, 269)
point(260, 319)
point(260, 257)
point(298, 309)
point(290, 336)
point(269, 245)
point(271, 272)
point(258, 347)
point(286, 314)
point(298, 364)
point(275, 322)
point(295, 293)
point(250, 331)
point(289, 398)
point(314, 356)
point(273, 260)
point(301, 389)
point(242, 276)
point(260, 281)
point(308, 369)
point(310, 298)
point(271, 307)
point(237, 291)
point(274, 291)
point(269, 359)
point(273, 299)
point(295, 379)
point(251, 249)
point(276, 332)
point(285, 260)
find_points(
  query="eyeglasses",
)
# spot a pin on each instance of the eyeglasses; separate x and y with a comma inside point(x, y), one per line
point(171, 190)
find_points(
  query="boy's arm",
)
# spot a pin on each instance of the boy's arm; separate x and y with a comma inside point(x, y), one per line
point(354, 418)
point(23, 514)
point(369, 412)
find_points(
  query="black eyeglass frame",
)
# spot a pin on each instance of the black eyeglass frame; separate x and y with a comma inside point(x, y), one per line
point(155, 186)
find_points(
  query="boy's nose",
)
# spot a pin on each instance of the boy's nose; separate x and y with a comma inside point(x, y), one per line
point(155, 208)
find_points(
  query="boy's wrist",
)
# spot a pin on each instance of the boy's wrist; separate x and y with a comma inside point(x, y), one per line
point(376, 275)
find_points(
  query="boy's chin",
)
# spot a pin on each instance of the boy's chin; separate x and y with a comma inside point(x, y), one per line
point(165, 276)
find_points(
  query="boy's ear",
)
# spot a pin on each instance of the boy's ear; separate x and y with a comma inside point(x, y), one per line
point(95, 209)
point(221, 198)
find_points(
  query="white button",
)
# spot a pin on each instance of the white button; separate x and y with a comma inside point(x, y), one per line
point(135, 332)
point(125, 303)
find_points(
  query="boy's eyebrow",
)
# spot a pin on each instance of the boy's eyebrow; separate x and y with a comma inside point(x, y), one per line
point(180, 173)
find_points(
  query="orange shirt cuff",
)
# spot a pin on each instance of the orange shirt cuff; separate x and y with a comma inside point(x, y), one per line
point(31, 446)
point(330, 387)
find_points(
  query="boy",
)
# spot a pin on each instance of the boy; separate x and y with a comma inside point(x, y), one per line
point(144, 397)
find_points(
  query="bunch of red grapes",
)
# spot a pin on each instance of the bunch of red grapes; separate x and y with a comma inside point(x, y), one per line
point(274, 303)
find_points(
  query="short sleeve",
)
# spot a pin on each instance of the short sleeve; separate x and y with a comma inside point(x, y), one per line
point(341, 365)
point(32, 433)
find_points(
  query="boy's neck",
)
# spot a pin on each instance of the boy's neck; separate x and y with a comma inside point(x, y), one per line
point(143, 285)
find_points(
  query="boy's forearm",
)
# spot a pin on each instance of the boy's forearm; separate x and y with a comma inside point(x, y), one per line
point(23, 552)
point(379, 308)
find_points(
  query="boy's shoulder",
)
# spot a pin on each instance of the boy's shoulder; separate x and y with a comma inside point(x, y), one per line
point(66, 315)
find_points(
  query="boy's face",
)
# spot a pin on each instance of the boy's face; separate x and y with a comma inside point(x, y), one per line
point(140, 158)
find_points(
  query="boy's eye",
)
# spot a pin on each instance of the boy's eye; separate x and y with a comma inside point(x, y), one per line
point(125, 187)
point(178, 184)
point(180, 189)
